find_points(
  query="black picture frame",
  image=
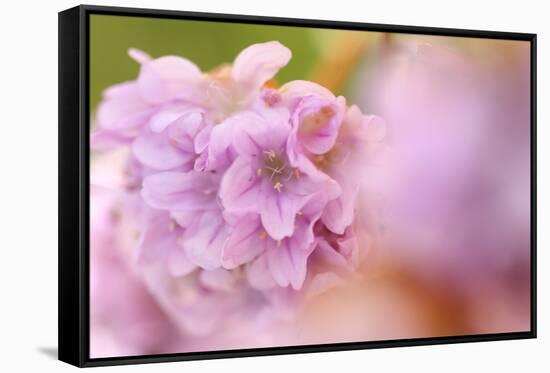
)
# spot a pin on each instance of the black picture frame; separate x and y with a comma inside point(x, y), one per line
point(74, 162)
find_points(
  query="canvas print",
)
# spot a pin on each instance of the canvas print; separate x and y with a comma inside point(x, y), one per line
point(264, 186)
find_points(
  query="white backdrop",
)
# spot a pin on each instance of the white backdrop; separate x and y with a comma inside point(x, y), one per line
point(28, 184)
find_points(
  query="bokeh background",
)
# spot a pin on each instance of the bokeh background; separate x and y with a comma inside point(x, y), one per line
point(451, 198)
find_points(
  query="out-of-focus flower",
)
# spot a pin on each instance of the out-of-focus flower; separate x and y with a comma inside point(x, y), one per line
point(456, 175)
point(124, 318)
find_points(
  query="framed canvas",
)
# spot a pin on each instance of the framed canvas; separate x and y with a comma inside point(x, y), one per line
point(234, 186)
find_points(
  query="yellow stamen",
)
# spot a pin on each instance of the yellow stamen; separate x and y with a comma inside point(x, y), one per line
point(278, 185)
point(270, 153)
point(297, 173)
point(263, 235)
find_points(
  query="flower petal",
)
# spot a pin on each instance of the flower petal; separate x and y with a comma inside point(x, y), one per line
point(246, 241)
point(258, 63)
point(312, 180)
point(202, 139)
point(155, 150)
point(169, 77)
point(288, 264)
point(339, 250)
point(278, 212)
point(184, 130)
point(178, 191)
point(253, 133)
point(240, 187)
point(163, 119)
point(123, 108)
point(178, 263)
point(205, 238)
point(168, 115)
point(329, 254)
point(219, 147)
point(158, 243)
point(138, 55)
point(302, 88)
point(317, 122)
point(105, 140)
point(183, 218)
point(259, 275)
point(339, 212)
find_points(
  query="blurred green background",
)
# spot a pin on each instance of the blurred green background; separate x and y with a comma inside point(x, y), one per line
point(207, 44)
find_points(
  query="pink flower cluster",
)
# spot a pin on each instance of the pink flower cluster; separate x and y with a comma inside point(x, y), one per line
point(234, 179)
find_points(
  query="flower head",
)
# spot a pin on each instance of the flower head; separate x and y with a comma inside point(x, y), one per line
point(244, 194)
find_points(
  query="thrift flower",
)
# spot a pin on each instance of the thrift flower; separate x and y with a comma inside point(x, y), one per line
point(262, 180)
point(244, 195)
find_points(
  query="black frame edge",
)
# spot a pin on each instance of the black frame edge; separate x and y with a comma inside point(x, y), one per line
point(533, 196)
point(70, 250)
point(306, 349)
point(297, 22)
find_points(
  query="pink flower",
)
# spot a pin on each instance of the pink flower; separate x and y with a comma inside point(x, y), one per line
point(281, 262)
point(316, 116)
point(174, 140)
point(219, 151)
point(261, 180)
point(244, 196)
point(457, 183)
point(191, 198)
point(160, 244)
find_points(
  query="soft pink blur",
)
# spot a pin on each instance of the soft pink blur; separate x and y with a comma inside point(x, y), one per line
point(456, 182)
